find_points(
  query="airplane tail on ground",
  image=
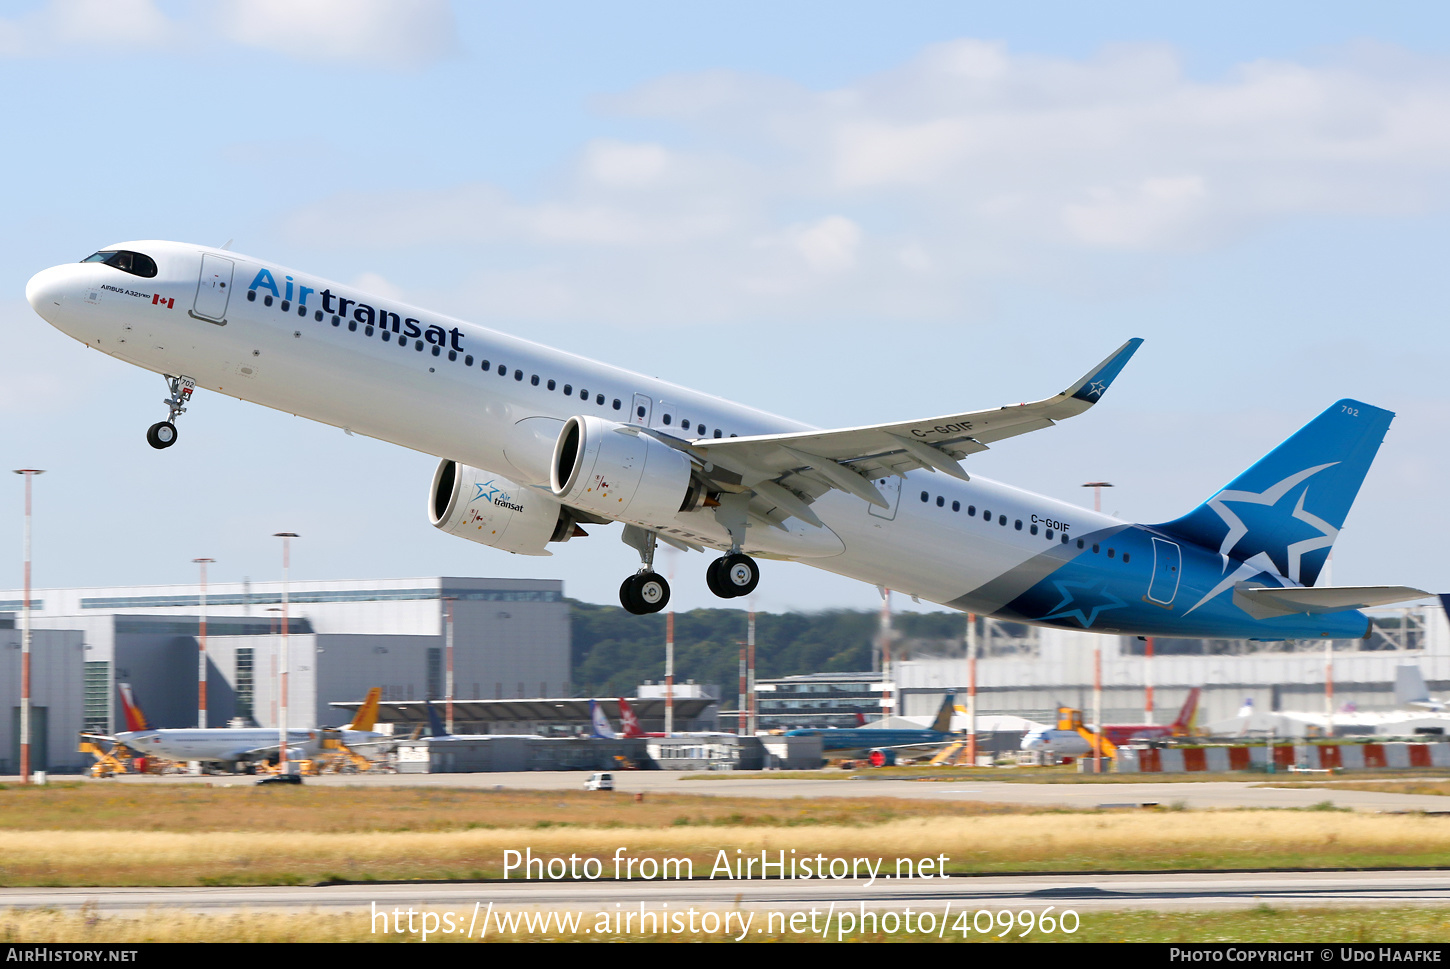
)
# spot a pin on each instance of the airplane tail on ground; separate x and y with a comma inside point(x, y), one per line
point(435, 723)
point(943, 721)
point(628, 721)
point(135, 719)
point(1290, 505)
point(367, 714)
point(600, 722)
point(1184, 726)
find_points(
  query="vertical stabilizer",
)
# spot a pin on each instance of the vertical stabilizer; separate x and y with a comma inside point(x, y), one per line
point(435, 723)
point(600, 722)
point(943, 721)
point(628, 721)
point(367, 714)
point(1290, 505)
point(135, 719)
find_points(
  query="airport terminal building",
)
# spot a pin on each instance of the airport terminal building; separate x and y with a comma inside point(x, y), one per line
point(510, 640)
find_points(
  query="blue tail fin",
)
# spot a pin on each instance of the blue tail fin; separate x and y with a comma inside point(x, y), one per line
point(1291, 504)
point(435, 724)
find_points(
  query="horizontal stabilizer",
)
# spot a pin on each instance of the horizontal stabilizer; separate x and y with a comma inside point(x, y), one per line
point(1266, 602)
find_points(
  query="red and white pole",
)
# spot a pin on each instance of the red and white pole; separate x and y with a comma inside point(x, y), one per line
point(286, 538)
point(25, 759)
point(201, 649)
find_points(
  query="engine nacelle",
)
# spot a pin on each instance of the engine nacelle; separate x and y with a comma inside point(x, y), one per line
point(619, 473)
point(492, 510)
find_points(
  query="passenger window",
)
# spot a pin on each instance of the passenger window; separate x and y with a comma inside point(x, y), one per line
point(1049, 534)
point(1095, 549)
point(1110, 553)
point(551, 384)
point(387, 335)
point(1125, 558)
point(534, 380)
point(684, 425)
point(639, 411)
point(971, 509)
point(316, 316)
point(583, 394)
point(519, 376)
point(599, 399)
point(940, 501)
point(251, 294)
point(924, 496)
point(337, 321)
point(568, 390)
point(367, 331)
point(956, 506)
point(1079, 543)
point(617, 403)
point(503, 370)
point(1002, 520)
point(468, 360)
point(719, 433)
point(1018, 526)
point(286, 305)
point(266, 300)
point(452, 354)
point(352, 325)
point(667, 418)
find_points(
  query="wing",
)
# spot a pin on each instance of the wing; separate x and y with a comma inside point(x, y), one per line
point(786, 472)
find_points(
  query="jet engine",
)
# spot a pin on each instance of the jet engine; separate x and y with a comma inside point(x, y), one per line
point(622, 473)
point(493, 510)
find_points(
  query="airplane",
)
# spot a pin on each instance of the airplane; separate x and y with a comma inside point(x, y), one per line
point(535, 443)
point(863, 741)
point(1067, 742)
point(600, 723)
point(629, 723)
point(235, 746)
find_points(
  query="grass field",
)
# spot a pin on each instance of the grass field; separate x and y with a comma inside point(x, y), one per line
point(90, 834)
point(1069, 775)
point(1257, 925)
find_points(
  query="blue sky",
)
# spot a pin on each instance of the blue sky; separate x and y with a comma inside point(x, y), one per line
point(847, 213)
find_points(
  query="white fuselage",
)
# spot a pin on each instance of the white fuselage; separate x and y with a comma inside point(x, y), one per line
point(437, 398)
point(231, 745)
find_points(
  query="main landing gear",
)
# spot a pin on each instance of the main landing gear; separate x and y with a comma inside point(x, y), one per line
point(733, 575)
point(646, 591)
point(162, 434)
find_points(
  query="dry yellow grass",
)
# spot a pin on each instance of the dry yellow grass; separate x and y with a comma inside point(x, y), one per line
point(1130, 840)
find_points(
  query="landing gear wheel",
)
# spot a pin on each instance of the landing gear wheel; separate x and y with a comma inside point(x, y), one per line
point(732, 576)
point(161, 435)
point(713, 581)
point(644, 593)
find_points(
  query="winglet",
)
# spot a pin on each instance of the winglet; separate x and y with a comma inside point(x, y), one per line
point(1095, 382)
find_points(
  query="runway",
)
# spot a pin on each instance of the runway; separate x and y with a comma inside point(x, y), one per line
point(1079, 892)
point(1259, 792)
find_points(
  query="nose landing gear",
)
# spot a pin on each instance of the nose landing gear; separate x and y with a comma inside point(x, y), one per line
point(162, 434)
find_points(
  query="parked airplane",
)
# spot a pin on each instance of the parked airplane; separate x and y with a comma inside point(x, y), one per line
point(535, 442)
point(862, 741)
point(235, 746)
point(1066, 742)
point(629, 722)
point(599, 723)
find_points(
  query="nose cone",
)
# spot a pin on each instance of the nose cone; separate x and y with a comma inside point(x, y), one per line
point(46, 291)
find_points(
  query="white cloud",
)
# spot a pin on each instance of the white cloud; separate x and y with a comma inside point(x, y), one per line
point(87, 24)
point(380, 34)
point(905, 193)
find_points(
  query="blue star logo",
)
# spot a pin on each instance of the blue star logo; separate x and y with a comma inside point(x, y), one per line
point(1084, 600)
point(1270, 521)
point(486, 490)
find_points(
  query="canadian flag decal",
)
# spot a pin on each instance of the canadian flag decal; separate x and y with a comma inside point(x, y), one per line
point(156, 300)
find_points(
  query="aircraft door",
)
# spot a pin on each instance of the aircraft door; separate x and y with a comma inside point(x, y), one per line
point(641, 413)
point(213, 289)
point(890, 488)
point(1167, 570)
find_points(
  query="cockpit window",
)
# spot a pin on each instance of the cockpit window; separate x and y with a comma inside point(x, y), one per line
point(135, 263)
